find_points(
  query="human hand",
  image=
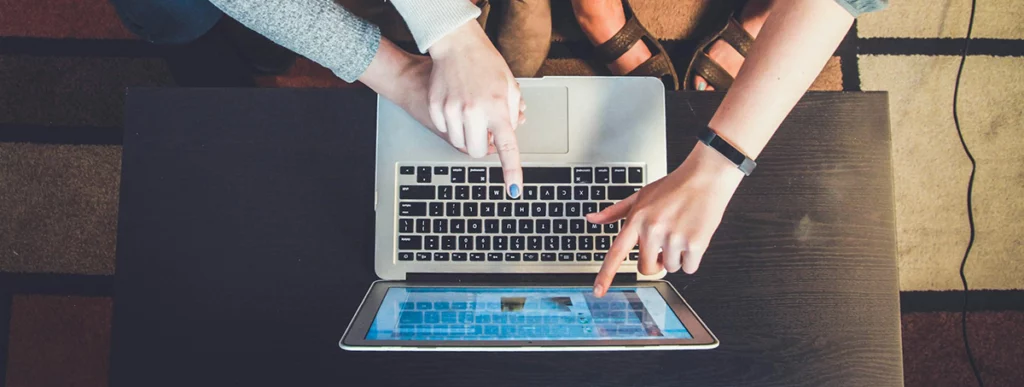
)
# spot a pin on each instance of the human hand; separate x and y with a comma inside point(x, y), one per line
point(676, 215)
point(475, 100)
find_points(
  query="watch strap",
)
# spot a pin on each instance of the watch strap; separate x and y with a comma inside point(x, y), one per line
point(711, 139)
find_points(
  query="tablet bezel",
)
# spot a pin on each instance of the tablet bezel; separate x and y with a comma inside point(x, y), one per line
point(354, 337)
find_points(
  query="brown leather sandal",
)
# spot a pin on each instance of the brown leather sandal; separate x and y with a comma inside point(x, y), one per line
point(701, 64)
point(659, 65)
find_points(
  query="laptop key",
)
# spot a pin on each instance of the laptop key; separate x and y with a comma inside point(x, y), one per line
point(593, 228)
point(420, 192)
point(518, 243)
point(448, 243)
point(405, 225)
point(483, 243)
point(465, 243)
point(547, 192)
point(546, 175)
point(512, 257)
point(436, 209)
point(543, 226)
point(479, 192)
point(494, 257)
point(572, 209)
point(487, 210)
point(440, 226)
point(422, 256)
point(423, 226)
point(565, 257)
point(462, 192)
point(500, 243)
point(560, 226)
point(586, 242)
point(526, 226)
point(618, 175)
point(597, 192)
point(431, 242)
point(491, 226)
point(445, 192)
point(581, 192)
point(476, 257)
point(601, 175)
point(619, 192)
point(458, 226)
point(564, 192)
point(534, 242)
point(551, 243)
point(405, 256)
point(583, 257)
point(423, 175)
point(583, 175)
point(538, 209)
point(474, 226)
point(547, 257)
point(531, 257)
point(611, 228)
point(634, 256)
point(453, 209)
point(495, 192)
point(604, 206)
point(410, 242)
point(555, 209)
point(458, 257)
point(477, 175)
point(599, 256)
point(568, 243)
point(412, 209)
point(440, 170)
point(530, 192)
point(577, 226)
point(504, 209)
point(407, 170)
point(458, 175)
point(603, 242)
point(522, 209)
point(469, 209)
point(508, 226)
point(441, 256)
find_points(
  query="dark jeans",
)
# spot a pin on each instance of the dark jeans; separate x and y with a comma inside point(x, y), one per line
point(168, 21)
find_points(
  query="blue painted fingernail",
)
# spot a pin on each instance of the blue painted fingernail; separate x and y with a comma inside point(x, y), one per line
point(513, 191)
point(701, 86)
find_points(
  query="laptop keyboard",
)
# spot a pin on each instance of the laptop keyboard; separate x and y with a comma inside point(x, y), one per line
point(462, 213)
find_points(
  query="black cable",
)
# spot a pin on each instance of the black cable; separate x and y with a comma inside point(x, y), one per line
point(970, 188)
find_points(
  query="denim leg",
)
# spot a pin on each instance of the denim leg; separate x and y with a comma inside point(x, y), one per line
point(168, 21)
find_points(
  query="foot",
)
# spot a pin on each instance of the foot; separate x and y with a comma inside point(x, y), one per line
point(600, 20)
point(752, 18)
point(524, 36)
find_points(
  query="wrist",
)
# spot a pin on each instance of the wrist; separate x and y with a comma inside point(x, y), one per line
point(464, 35)
point(708, 162)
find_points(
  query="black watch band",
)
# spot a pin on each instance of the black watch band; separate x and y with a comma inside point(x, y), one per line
point(711, 139)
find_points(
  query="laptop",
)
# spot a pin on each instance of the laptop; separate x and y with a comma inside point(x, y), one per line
point(464, 267)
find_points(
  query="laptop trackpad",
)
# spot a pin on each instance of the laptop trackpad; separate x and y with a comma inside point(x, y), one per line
point(547, 120)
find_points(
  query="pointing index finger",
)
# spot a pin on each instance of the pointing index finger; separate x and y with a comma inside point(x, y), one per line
point(616, 255)
point(508, 152)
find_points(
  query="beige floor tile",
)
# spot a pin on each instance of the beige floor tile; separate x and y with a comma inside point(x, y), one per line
point(1000, 19)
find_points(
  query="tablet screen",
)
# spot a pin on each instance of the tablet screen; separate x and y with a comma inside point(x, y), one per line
point(540, 313)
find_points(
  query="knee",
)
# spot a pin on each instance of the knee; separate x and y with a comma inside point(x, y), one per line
point(167, 21)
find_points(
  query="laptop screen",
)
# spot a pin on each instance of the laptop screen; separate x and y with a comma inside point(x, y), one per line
point(535, 313)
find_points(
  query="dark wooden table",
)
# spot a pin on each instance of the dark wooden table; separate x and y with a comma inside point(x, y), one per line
point(245, 245)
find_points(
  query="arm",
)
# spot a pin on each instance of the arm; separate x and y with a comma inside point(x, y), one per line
point(319, 30)
point(674, 218)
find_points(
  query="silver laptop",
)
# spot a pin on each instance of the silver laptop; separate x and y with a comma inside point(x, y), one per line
point(465, 267)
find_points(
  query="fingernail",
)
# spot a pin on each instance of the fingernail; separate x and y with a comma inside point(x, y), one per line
point(598, 289)
point(513, 191)
point(701, 86)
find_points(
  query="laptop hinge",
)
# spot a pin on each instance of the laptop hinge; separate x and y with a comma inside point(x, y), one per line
point(538, 278)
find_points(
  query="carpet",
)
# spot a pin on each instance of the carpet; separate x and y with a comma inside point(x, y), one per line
point(64, 65)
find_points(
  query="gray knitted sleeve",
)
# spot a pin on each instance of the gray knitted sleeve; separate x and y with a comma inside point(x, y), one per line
point(319, 30)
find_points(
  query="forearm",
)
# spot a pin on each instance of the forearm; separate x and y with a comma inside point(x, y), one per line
point(320, 30)
point(793, 46)
point(429, 21)
point(387, 67)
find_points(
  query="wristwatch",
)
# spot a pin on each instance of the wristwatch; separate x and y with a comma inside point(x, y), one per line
point(711, 139)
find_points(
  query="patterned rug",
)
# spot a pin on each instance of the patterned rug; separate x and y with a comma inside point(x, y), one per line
point(64, 65)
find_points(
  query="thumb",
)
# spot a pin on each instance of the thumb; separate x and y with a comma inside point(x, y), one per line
point(615, 212)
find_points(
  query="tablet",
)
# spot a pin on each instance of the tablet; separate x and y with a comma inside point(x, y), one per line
point(459, 317)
